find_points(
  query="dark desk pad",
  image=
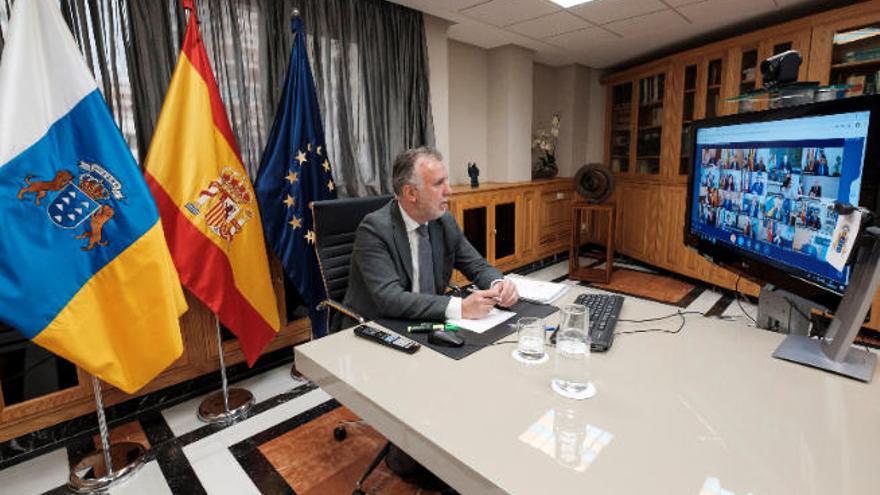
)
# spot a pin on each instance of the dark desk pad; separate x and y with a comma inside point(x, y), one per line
point(473, 342)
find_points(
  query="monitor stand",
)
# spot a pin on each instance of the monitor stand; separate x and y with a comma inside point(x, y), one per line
point(834, 352)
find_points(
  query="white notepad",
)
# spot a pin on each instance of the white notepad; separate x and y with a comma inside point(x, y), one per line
point(495, 317)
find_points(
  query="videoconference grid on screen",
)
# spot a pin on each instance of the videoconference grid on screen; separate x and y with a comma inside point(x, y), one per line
point(768, 188)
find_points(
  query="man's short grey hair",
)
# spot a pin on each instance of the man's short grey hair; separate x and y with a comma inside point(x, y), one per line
point(404, 166)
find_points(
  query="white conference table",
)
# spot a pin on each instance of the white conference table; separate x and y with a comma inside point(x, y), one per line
point(706, 411)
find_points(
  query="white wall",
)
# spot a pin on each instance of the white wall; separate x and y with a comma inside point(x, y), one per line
point(496, 99)
point(574, 92)
point(438, 66)
point(468, 111)
point(510, 113)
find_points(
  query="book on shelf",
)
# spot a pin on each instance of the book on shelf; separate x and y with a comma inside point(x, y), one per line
point(856, 85)
point(651, 90)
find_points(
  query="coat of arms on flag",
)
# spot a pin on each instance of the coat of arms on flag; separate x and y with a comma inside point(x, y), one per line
point(77, 198)
point(227, 203)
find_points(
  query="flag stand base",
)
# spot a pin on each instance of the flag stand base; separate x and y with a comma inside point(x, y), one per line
point(90, 474)
point(213, 408)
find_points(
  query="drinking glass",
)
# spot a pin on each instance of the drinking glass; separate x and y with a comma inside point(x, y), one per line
point(530, 339)
point(571, 372)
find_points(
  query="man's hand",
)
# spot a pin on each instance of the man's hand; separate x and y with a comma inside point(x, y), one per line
point(508, 296)
point(479, 303)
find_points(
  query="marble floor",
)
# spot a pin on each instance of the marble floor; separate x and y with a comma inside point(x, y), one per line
point(286, 444)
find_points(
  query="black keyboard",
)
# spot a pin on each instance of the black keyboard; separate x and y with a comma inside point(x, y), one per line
point(604, 310)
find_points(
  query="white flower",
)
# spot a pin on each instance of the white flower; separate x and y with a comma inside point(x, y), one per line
point(545, 139)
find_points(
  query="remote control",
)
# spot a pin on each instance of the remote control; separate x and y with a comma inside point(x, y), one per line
point(391, 340)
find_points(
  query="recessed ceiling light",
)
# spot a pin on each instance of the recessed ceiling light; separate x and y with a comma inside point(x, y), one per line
point(569, 3)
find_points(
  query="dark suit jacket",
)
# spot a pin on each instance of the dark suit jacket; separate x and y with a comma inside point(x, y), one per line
point(380, 278)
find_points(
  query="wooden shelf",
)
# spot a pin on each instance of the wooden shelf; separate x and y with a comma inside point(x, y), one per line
point(713, 86)
point(647, 157)
point(855, 64)
point(649, 127)
point(651, 104)
point(620, 156)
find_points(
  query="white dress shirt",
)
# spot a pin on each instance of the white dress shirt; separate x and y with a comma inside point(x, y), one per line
point(453, 309)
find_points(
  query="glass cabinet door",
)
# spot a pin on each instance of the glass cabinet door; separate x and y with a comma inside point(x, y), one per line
point(650, 120)
point(621, 126)
point(713, 87)
point(855, 59)
point(505, 230)
point(748, 77)
point(475, 228)
point(688, 115)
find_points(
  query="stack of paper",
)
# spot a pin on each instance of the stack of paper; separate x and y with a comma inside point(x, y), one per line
point(536, 290)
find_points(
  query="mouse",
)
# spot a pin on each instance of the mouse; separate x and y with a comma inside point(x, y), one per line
point(446, 339)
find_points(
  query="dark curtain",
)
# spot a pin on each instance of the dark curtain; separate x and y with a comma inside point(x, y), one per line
point(369, 60)
point(156, 34)
point(100, 28)
point(231, 34)
point(370, 63)
point(5, 9)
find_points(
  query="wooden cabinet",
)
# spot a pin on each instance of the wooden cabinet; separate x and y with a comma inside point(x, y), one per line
point(491, 223)
point(553, 217)
point(513, 224)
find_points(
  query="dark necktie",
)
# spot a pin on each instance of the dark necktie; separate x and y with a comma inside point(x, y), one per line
point(426, 262)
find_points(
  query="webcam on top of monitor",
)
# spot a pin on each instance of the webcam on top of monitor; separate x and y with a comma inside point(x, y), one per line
point(780, 70)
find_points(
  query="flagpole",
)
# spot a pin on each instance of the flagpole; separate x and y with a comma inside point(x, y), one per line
point(95, 473)
point(226, 405)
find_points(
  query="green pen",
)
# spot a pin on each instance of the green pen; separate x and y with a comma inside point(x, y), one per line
point(449, 327)
point(424, 327)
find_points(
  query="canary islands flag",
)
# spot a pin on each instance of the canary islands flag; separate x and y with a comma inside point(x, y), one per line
point(84, 268)
point(295, 171)
point(207, 202)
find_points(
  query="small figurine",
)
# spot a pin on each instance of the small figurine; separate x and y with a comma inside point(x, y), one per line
point(474, 174)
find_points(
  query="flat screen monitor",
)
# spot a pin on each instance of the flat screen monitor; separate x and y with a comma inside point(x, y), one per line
point(763, 185)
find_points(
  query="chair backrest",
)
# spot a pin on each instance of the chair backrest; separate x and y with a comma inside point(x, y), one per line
point(335, 222)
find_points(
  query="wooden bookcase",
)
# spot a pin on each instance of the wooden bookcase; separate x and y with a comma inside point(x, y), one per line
point(651, 206)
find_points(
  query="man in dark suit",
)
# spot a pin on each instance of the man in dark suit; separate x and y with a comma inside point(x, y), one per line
point(404, 253)
point(403, 258)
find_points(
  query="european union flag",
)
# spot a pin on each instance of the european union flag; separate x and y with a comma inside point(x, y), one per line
point(295, 171)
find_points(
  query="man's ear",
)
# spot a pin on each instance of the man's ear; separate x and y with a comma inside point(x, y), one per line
point(409, 193)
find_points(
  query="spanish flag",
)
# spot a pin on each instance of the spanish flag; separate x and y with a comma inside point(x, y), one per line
point(207, 203)
point(84, 268)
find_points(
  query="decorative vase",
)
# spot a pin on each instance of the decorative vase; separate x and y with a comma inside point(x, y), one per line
point(546, 168)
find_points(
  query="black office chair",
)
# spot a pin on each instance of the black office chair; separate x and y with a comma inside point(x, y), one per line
point(335, 222)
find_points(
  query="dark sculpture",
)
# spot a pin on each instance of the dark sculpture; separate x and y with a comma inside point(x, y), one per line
point(474, 174)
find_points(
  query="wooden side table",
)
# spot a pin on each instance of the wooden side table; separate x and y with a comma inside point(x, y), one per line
point(591, 213)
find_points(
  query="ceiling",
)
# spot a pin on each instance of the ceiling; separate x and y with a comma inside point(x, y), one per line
point(606, 33)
